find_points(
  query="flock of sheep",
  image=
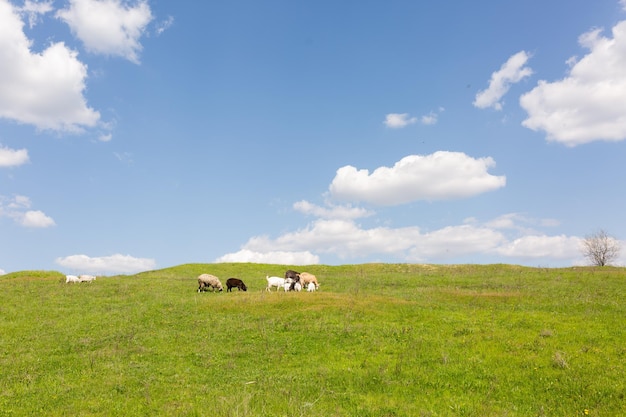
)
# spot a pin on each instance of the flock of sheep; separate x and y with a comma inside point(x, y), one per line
point(79, 278)
point(293, 281)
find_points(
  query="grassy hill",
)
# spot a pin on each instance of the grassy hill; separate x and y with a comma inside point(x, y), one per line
point(376, 340)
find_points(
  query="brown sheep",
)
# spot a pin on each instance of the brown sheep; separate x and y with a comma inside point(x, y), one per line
point(306, 278)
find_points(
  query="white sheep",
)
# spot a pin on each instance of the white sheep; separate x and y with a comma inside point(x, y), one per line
point(292, 285)
point(311, 287)
point(287, 284)
point(207, 280)
point(71, 278)
point(86, 278)
point(274, 282)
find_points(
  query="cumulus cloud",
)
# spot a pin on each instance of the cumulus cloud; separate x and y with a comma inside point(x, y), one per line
point(17, 208)
point(271, 257)
point(12, 157)
point(115, 264)
point(350, 241)
point(43, 89)
point(439, 176)
point(35, 219)
point(2, 272)
point(512, 71)
point(343, 238)
point(332, 211)
point(541, 246)
point(454, 241)
point(589, 104)
point(398, 120)
point(108, 27)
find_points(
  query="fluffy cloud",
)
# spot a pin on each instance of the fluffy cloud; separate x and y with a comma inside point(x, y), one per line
point(17, 208)
point(108, 27)
point(12, 157)
point(343, 238)
point(590, 103)
point(540, 246)
point(331, 212)
point(116, 264)
point(2, 272)
point(512, 71)
point(271, 257)
point(399, 120)
point(44, 89)
point(351, 242)
point(454, 241)
point(35, 219)
point(439, 176)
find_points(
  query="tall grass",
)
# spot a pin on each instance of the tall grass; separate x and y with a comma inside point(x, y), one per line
point(376, 340)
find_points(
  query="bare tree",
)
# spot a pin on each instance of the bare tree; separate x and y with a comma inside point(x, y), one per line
point(600, 248)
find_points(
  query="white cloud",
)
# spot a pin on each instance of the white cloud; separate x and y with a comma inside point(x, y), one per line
point(343, 238)
point(116, 264)
point(164, 25)
point(19, 202)
point(105, 137)
point(35, 8)
point(43, 89)
point(17, 208)
point(540, 246)
point(35, 219)
point(349, 241)
point(398, 120)
point(12, 157)
point(439, 176)
point(623, 3)
point(512, 71)
point(2, 272)
point(271, 257)
point(589, 104)
point(108, 27)
point(454, 241)
point(519, 222)
point(430, 118)
point(332, 212)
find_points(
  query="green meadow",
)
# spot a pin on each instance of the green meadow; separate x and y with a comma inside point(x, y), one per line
point(375, 340)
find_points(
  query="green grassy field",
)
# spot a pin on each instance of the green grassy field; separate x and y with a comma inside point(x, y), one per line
point(376, 340)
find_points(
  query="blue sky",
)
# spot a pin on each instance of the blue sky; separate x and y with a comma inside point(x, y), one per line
point(137, 135)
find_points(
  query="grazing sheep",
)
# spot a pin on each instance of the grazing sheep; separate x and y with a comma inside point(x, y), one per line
point(274, 282)
point(86, 278)
point(71, 278)
point(306, 278)
point(293, 275)
point(235, 283)
point(295, 286)
point(311, 287)
point(207, 280)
